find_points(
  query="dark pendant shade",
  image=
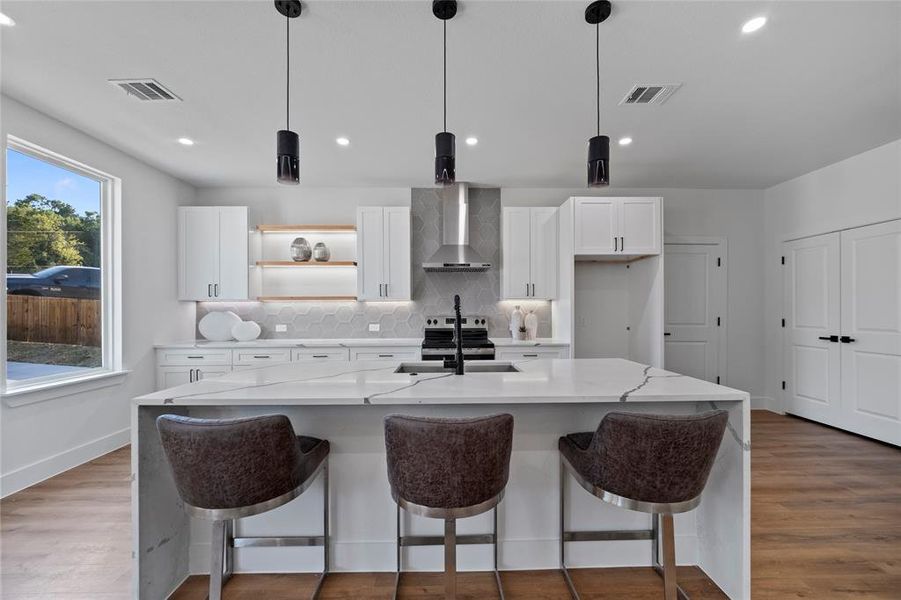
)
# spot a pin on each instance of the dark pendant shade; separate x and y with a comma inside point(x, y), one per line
point(445, 158)
point(599, 161)
point(288, 161)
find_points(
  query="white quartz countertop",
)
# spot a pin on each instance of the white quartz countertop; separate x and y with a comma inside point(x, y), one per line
point(556, 381)
point(345, 342)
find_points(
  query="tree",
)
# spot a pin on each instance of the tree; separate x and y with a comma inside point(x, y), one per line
point(43, 233)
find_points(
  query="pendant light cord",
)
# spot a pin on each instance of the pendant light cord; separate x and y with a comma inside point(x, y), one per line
point(288, 73)
point(445, 75)
point(597, 55)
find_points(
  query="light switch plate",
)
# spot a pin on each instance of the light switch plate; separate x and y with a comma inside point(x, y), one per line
point(374, 327)
point(281, 328)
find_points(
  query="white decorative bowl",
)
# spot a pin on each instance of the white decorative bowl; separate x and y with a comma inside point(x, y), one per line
point(246, 331)
point(217, 326)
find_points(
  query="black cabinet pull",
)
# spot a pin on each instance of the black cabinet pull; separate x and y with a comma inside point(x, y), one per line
point(386, 356)
point(847, 339)
point(262, 356)
point(530, 356)
point(667, 333)
point(829, 338)
point(320, 356)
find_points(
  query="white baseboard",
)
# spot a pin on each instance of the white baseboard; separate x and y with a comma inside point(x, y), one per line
point(766, 403)
point(38, 471)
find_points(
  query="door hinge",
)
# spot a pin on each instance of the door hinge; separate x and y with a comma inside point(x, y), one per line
point(719, 262)
point(783, 260)
point(783, 322)
point(717, 378)
point(783, 385)
point(718, 321)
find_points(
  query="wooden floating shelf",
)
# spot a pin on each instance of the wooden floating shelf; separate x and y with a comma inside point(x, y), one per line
point(305, 298)
point(291, 263)
point(307, 228)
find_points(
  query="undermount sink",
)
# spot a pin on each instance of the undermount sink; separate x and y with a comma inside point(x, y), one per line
point(470, 367)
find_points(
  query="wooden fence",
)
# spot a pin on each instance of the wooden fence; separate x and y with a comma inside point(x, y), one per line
point(53, 320)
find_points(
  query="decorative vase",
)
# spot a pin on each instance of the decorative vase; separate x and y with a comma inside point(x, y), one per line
point(300, 250)
point(321, 253)
point(246, 331)
point(531, 323)
point(217, 326)
point(516, 323)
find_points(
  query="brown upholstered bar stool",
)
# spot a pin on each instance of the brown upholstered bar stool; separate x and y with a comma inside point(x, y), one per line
point(656, 464)
point(233, 468)
point(448, 469)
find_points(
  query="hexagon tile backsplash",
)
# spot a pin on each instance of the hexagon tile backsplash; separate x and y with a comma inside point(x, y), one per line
point(433, 293)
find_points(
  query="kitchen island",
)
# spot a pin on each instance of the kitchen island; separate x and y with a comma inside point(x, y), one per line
point(346, 402)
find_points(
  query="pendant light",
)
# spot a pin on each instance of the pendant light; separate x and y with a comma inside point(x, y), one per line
point(598, 146)
point(287, 141)
point(445, 142)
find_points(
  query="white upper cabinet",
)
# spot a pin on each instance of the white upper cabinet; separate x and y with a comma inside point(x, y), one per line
point(383, 253)
point(529, 254)
point(212, 253)
point(617, 226)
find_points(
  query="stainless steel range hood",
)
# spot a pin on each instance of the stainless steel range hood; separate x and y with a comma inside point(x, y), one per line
point(455, 254)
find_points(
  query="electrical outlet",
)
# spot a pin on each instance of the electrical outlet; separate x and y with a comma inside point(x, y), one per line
point(374, 327)
point(281, 328)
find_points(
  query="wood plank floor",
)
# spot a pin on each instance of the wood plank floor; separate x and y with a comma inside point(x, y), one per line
point(826, 523)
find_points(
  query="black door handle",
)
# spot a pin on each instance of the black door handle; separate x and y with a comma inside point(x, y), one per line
point(667, 333)
point(847, 339)
point(829, 338)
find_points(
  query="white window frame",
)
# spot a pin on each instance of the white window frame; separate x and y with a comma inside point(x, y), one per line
point(111, 371)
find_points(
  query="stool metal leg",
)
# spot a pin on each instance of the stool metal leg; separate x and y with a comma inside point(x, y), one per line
point(566, 577)
point(497, 575)
point(671, 589)
point(217, 558)
point(450, 559)
point(397, 558)
point(325, 531)
point(229, 566)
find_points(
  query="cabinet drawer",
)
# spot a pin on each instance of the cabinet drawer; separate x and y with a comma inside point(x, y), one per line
point(167, 377)
point(261, 357)
point(193, 357)
point(308, 354)
point(407, 353)
point(530, 353)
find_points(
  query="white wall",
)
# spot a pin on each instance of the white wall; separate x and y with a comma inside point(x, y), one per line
point(736, 215)
point(42, 439)
point(857, 191)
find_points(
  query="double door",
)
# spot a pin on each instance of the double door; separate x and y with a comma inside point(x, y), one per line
point(530, 253)
point(617, 226)
point(843, 329)
point(383, 253)
point(212, 261)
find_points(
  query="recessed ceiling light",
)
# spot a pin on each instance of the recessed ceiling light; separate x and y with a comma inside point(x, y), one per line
point(342, 141)
point(185, 141)
point(472, 141)
point(625, 141)
point(6, 20)
point(753, 25)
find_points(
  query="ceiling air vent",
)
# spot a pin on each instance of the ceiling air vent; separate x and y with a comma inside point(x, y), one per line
point(144, 89)
point(650, 94)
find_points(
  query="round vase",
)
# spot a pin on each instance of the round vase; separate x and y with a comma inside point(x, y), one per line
point(300, 250)
point(321, 253)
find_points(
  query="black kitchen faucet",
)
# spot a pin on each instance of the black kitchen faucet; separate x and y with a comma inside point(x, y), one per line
point(457, 363)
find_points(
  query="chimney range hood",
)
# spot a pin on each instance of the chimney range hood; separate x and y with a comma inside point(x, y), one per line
point(455, 254)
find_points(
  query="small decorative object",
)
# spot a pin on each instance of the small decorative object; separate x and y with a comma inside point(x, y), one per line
point(521, 334)
point(300, 250)
point(531, 324)
point(217, 325)
point(516, 323)
point(321, 253)
point(246, 331)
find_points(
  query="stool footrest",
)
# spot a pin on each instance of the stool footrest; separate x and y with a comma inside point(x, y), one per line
point(607, 536)
point(438, 540)
point(268, 542)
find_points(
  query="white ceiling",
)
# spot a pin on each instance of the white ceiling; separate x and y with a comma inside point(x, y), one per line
point(822, 81)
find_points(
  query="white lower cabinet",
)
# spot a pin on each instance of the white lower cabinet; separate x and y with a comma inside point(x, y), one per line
point(167, 377)
point(396, 353)
point(528, 353)
point(319, 354)
point(260, 358)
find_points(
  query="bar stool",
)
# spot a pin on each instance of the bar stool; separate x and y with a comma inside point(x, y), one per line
point(232, 468)
point(656, 464)
point(448, 469)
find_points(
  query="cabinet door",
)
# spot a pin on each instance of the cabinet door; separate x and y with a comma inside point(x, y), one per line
point(370, 244)
point(198, 252)
point(871, 322)
point(543, 253)
point(211, 372)
point(231, 283)
point(516, 259)
point(595, 225)
point(167, 377)
point(396, 257)
point(639, 225)
point(812, 314)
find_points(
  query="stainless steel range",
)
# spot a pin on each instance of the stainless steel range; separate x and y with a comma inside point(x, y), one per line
point(439, 343)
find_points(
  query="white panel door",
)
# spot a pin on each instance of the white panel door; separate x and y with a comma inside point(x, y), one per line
point(370, 245)
point(233, 262)
point(694, 308)
point(517, 256)
point(639, 225)
point(543, 254)
point(396, 257)
point(199, 259)
point(871, 331)
point(812, 312)
point(595, 225)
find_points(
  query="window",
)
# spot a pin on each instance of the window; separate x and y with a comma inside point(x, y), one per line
point(61, 279)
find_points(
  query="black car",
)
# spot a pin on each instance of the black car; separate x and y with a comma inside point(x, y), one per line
point(57, 282)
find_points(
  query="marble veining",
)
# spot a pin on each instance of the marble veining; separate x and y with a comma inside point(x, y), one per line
point(746, 446)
